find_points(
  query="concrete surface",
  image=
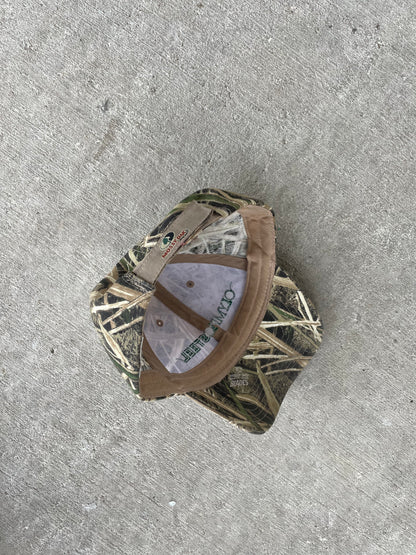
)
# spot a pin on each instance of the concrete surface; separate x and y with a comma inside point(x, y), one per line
point(110, 113)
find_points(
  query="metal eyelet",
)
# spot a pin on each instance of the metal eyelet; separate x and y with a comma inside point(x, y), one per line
point(190, 283)
point(159, 323)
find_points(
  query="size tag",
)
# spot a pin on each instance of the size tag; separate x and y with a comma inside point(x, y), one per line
point(179, 231)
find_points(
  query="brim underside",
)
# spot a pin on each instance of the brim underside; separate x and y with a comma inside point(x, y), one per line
point(250, 396)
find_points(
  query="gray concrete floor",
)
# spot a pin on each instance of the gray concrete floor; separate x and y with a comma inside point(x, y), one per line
point(110, 113)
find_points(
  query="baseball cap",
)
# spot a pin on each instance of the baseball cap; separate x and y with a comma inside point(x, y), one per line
point(200, 308)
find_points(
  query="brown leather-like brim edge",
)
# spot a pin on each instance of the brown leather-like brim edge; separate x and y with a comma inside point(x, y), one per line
point(259, 224)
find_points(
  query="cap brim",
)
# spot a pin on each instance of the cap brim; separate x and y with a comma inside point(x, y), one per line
point(251, 394)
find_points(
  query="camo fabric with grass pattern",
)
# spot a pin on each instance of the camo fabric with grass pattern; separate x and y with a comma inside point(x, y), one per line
point(251, 394)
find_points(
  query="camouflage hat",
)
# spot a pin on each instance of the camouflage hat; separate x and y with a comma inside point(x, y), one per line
point(200, 308)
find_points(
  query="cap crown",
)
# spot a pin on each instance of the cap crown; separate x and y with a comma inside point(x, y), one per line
point(202, 309)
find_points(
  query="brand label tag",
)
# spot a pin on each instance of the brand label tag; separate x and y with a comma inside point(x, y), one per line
point(172, 239)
